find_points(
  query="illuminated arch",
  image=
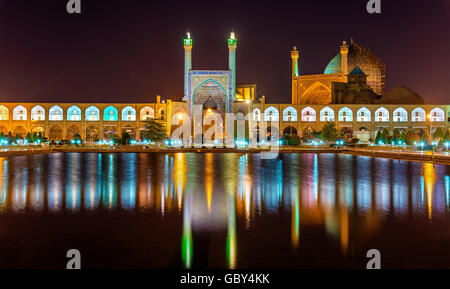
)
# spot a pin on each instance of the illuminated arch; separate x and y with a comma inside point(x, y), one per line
point(128, 114)
point(437, 115)
point(4, 112)
point(363, 115)
point(19, 113)
point(308, 114)
point(256, 114)
point(147, 113)
point(38, 113)
point(289, 114)
point(74, 113)
point(345, 114)
point(162, 114)
point(56, 133)
point(326, 114)
point(418, 115)
point(20, 131)
point(271, 114)
point(400, 115)
point(55, 113)
point(382, 115)
point(92, 113)
point(317, 93)
point(110, 114)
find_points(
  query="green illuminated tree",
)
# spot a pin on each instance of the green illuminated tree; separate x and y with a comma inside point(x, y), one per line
point(115, 138)
point(76, 137)
point(153, 131)
point(395, 135)
point(126, 138)
point(426, 138)
point(377, 137)
point(329, 132)
point(28, 137)
point(439, 135)
point(385, 136)
point(402, 137)
point(447, 135)
point(412, 137)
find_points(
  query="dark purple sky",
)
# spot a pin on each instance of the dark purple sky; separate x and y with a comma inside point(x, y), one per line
point(131, 50)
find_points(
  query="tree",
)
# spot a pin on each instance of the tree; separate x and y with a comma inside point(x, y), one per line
point(114, 138)
point(402, 137)
point(40, 136)
point(426, 138)
point(385, 136)
point(378, 137)
point(28, 137)
point(329, 132)
point(10, 137)
point(76, 137)
point(34, 137)
point(153, 131)
point(292, 140)
point(126, 138)
point(412, 137)
point(395, 135)
point(447, 135)
point(438, 135)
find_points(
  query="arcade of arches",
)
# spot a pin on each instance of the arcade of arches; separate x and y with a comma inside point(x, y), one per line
point(62, 121)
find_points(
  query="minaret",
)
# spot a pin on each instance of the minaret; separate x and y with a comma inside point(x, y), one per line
point(187, 62)
point(294, 58)
point(232, 45)
point(344, 59)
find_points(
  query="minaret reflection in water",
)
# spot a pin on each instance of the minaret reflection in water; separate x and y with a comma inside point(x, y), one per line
point(224, 208)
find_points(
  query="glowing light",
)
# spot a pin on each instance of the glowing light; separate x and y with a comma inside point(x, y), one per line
point(295, 229)
point(429, 179)
point(209, 178)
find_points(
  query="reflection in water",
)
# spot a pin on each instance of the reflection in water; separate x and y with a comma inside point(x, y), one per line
point(429, 179)
point(3, 182)
point(223, 203)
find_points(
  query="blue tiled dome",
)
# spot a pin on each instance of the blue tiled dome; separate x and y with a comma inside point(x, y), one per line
point(356, 70)
point(335, 65)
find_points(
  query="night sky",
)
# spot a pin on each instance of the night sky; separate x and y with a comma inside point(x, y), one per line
point(131, 50)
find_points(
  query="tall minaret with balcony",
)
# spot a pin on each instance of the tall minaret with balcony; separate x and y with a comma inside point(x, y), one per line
point(344, 60)
point(232, 45)
point(187, 42)
point(294, 58)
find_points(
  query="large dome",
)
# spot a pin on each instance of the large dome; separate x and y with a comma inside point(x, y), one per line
point(360, 56)
point(402, 95)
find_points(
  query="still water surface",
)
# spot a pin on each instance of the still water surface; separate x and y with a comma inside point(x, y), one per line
point(230, 210)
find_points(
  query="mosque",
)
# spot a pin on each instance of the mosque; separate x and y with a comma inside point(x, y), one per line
point(349, 92)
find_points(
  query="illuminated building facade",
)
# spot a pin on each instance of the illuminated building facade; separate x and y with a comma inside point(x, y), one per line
point(348, 97)
point(318, 88)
